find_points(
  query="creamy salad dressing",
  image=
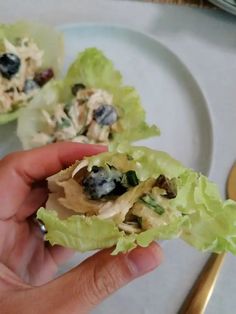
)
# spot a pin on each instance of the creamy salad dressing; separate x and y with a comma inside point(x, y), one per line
point(89, 118)
point(20, 87)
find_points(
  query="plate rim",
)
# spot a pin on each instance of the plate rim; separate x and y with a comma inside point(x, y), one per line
point(224, 5)
point(65, 26)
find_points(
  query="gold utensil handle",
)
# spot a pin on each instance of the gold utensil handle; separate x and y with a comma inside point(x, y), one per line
point(201, 292)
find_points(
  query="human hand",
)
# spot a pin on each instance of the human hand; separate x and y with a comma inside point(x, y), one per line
point(27, 265)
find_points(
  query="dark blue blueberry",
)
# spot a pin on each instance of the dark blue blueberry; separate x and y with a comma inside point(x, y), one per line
point(96, 169)
point(101, 181)
point(119, 189)
point(105, 115)
point(29, 86)
point(76, 87)
point(9, 65)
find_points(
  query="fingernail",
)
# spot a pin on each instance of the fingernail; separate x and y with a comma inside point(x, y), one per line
point(143, 260)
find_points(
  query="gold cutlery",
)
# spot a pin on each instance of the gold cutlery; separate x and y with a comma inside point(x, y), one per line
point(199, 296)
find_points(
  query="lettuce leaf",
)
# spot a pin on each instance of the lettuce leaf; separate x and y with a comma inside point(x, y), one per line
point(197, 215)
point(145, 161)
point(129, 242)
point(79, 232)
point(30, 118)
point(89, 233)
point(8, 117)
point(213, 231)
point(93, 69)
point(47, 38)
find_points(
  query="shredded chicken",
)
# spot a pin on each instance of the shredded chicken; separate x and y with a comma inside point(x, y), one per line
point(75, 121)
point(130, 227)
point(12, 92)
point(98, 133)
point(118, 209)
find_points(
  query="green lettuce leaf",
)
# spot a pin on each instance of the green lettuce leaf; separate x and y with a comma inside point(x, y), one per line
point(79, 232)
point(47, 38)
point(197, 215)
point(213, 229)
point(125, 244)
point(30, 118)
point(93, 69)
point(146, 162)
point(172, 230)
point(89, 233)
point(8, 117)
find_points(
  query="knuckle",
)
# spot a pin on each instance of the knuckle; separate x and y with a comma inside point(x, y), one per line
point(104, 282)
point(98, 279)
point(107, 279)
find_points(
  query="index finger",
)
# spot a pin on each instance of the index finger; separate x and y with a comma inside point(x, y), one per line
point(19, 170)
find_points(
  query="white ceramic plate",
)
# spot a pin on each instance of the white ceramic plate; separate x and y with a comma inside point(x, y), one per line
point(227, 5)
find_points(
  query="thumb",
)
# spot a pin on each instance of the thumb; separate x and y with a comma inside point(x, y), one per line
point(96, 278)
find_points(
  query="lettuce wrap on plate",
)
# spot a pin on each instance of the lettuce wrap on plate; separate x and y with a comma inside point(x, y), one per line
point(132, 197)
point(30, 55)
point(91, 105)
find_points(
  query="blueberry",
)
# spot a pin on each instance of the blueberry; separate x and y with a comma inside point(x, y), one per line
point(9, 65)
point(105, 115)
point(119, 189)
point(96, 169)
point(101, 181)
point(29, 86)
point(76, 87)
point(41, 78)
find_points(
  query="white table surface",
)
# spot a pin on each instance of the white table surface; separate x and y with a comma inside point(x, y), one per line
point(205, 40)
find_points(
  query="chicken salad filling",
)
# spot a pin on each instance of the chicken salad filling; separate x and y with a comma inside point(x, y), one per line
point(109, 193)
point(21, 73)
point(90, 117)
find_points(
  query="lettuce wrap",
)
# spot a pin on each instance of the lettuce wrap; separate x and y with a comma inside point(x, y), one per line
point(91, 105)
point(30, 55)
point(133, 196)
